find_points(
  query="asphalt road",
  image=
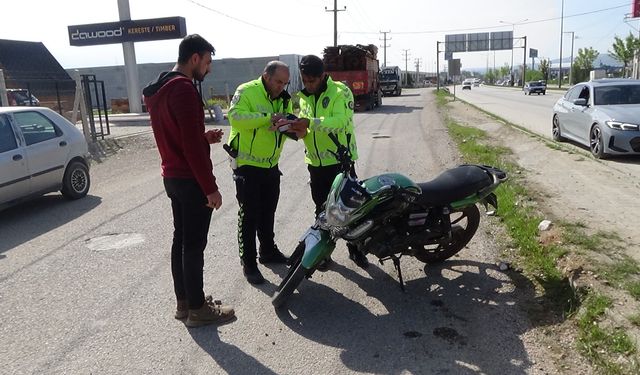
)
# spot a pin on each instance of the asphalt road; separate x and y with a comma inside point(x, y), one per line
point(85, 286)
point(533, 112)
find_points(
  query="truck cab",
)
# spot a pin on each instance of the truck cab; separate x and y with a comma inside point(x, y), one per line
point(391, 81)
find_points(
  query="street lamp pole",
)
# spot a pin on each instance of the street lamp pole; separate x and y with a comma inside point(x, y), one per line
point(571, 66)
point(513, 31)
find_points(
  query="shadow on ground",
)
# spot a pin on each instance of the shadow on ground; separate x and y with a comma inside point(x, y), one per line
point(463, 317)
point(28, 220)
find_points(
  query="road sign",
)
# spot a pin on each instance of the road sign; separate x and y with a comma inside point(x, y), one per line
point(455, 43)
point(478, 42)
point(454, 67)
point(127, 31)
point(501, 40)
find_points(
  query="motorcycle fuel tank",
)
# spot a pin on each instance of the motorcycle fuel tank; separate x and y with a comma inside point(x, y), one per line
point(376, 183)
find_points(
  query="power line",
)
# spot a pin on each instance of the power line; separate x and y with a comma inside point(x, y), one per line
point(249, 23)
point(496, 27)
point(357, 6)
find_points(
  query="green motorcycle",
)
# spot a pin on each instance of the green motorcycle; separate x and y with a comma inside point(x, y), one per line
point(390, 216)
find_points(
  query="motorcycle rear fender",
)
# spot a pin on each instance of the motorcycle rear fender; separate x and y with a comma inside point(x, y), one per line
point(488, 200)
point(485, 196)
point(318, 245)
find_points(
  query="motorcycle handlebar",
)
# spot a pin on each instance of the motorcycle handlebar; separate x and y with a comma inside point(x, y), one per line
point(342, 153)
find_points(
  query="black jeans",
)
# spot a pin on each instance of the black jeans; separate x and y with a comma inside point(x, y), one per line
point(257, 192)
point(191, 219)
point(321, 180)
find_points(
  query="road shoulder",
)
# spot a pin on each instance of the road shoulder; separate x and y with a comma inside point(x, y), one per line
point(570, 187)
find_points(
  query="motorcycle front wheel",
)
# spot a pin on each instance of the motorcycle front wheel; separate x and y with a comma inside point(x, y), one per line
point(464, 224)
point(295, 276)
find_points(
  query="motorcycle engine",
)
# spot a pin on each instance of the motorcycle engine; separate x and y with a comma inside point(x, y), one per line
point(382, 241)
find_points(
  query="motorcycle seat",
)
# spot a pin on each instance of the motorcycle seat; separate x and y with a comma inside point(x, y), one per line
point(454, 184)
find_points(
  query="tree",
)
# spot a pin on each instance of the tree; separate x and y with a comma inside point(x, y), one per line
point(533, 75)
point(625, 50)
point(490, 76)
point(544, 68)
point(583, 63)
point(504, 71)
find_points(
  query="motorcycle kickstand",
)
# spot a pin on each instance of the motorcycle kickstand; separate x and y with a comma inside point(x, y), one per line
point(396, 264)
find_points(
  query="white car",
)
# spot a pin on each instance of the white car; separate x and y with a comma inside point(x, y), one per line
point(466, 84)
point(40, 152)
point(603, 114)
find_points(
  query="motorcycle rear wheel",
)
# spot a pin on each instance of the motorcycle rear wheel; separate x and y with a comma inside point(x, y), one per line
point(464, 224)
point(289, 284)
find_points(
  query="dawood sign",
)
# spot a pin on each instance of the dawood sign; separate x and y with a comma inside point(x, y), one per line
point(127, 31)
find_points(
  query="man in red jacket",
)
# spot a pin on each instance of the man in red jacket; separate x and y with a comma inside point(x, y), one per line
point(177, 119)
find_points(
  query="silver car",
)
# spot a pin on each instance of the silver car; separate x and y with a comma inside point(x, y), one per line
point(40, 152)
point(602, 114)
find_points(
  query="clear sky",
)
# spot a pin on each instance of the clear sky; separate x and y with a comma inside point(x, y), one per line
point(246, 28)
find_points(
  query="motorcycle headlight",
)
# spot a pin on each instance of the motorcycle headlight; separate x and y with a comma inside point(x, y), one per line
point(338, 214)
point(618, 125)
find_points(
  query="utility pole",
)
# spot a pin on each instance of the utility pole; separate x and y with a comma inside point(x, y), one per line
point(406, 71)
point(335, 11)
point(385, 46)
point(561, 35)
point(418, 62)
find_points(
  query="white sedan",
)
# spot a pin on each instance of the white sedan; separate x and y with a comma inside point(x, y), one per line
point(602, 114)
point(40, 152)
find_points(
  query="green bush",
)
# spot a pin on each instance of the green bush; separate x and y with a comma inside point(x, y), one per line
point(221, 102)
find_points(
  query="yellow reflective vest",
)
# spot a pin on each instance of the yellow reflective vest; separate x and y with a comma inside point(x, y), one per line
point(330, 111)
point(250, 119)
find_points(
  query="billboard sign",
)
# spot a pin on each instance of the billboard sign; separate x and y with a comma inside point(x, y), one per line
point(533, 53)
point(127, 31)
point(501, 40)
point(478, 42)
point(455, 43)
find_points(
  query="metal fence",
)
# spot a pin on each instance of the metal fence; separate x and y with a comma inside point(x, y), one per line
point(54, 94)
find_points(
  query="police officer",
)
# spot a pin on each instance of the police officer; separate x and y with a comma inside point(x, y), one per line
point(326, 107)
point(256, 108)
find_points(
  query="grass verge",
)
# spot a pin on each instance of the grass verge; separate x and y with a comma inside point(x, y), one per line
point(602, 345)
point(520, 218)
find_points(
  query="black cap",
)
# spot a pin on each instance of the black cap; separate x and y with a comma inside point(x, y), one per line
point(311, 65)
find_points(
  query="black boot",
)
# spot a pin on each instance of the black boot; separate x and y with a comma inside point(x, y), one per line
point(252, 273)
point(358, 257)
point(274, 256)
point(324, 264)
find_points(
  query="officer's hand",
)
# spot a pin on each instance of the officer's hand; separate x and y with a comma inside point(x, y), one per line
point(275, 117)
point(214, 200)
point(302, 123)
point(279, 123)
point(299, 127)
point(214, 136)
